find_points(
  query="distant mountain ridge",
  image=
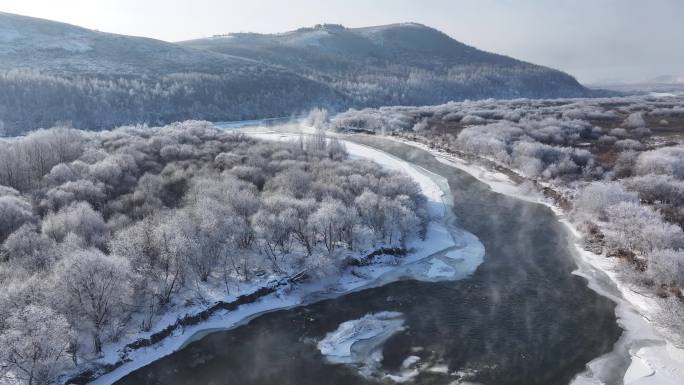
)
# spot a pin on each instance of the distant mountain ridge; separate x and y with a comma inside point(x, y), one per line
point(667, 79)
point(663, 84)
point(52, 72)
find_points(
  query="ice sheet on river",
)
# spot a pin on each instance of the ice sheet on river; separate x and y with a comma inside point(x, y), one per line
point(454, 263)
point(354, 341)
point(359, 342)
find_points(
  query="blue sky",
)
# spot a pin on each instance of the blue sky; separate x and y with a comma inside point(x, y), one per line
point(591, 39)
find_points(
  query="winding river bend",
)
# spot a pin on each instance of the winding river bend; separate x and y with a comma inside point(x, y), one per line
point(521, 319)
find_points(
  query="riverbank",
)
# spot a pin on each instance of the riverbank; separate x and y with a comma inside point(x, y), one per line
point(426, 261)
point(644, 354)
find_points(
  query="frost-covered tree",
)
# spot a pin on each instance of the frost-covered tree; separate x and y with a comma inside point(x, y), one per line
point(625, 163)
point(34, 345)
point(150, 247)
point(30, 249)
point(635, 120)
point(318, 118)
point(274, 228)
point(666, 160)
point(81, 190)
point(334, 222)
point(14, 212)
point(95, 291)
point(24, 163)
point(640, 229)
point(654, 188)
point(202, 235)
point(594, 199)
point(666, 266)
point(371, 211)
point(80, 220)
point(402, 223)
point(61, 173)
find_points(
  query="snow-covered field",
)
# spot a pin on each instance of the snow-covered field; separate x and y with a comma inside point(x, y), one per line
point(643, 353)
point(446, 253)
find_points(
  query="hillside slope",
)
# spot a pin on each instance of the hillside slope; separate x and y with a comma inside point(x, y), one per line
point(53, 72)
point(396, 64)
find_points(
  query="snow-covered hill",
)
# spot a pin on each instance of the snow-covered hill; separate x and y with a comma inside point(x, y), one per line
point(405, 63)
point(51, 73)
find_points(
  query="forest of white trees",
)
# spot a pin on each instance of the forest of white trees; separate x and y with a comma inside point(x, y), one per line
point(612, 158)
point(32, 99)
point(102, 233)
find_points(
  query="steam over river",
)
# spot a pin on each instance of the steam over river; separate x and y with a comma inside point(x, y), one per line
point(521, 319)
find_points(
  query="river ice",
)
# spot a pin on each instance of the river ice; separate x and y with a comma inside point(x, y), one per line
point(359, 343)
point(357, 340)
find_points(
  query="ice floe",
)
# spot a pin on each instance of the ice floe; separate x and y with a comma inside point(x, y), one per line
point(355, 341)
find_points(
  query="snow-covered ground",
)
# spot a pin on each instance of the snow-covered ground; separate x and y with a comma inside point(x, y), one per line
point(643, 355)
point(447, 253)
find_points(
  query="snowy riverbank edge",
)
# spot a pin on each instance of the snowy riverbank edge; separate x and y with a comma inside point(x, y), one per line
point(437, 240)
point(642, 355)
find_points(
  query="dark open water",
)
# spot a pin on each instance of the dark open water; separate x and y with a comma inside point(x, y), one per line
point(521, 319)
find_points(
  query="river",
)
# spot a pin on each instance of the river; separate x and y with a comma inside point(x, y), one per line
point(521, 319)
